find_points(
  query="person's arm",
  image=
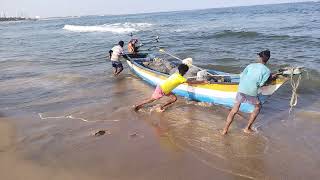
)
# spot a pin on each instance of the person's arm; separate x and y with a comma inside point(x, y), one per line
point(266, 78)
point(110, 53)
point(123, 54)
point(272, 77)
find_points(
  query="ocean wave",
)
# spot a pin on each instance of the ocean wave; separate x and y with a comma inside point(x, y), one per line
point(119, 28)
point(242, 34)
point(247, 35)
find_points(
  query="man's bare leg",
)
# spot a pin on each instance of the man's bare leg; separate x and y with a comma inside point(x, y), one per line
point(115, 71)
point(230, 117)
point(137, 107)
point(173, 98)
point(119, 70)
point(253, 117)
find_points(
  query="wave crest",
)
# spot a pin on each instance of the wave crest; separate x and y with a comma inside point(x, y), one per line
point(246, 35)
point(119, 28)
point(242, 34)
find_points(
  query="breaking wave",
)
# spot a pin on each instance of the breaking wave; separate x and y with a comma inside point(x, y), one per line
point(119, 28)
point(241, 34)
point(252, 35)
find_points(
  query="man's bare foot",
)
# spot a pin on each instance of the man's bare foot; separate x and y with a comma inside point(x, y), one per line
point(161, 109)
point(248, 131)
point(223, 132)
point(136, 108)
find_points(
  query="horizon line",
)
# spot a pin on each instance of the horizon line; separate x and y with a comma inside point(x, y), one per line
point(182, 10)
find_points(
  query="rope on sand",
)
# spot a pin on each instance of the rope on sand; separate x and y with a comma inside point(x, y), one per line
point(71, 117)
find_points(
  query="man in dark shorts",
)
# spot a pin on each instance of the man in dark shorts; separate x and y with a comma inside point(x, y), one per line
point(253, 76)
point(115, 54)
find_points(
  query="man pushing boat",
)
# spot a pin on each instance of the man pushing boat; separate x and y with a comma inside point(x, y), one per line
point(115, 54)
point(253, 76)
point(165, 89)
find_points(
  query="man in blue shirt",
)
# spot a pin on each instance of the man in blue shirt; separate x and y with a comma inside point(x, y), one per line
point(253, 76)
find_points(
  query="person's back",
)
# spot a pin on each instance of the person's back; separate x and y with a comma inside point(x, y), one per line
point(132, 46)
point(167, 86)
point(117, 51)
point(253, 77)
point(172, 82)
point(115, 54)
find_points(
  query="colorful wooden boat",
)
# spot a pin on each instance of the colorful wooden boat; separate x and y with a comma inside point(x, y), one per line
point(219, 93)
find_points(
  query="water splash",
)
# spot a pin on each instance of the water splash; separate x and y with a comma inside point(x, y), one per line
point(118, 28)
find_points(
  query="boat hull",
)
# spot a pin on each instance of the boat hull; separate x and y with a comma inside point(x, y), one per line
point(215, 93)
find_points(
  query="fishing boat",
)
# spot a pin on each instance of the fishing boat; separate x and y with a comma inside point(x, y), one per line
point(219, 93)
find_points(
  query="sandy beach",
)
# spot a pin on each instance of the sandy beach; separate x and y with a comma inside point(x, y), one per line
point(57, 90)
point(145, 145)
point(71, 151)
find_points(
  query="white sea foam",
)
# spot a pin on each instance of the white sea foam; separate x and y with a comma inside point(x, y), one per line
point(118, 28)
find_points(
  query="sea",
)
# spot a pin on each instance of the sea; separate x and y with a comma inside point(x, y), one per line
point(56, 70)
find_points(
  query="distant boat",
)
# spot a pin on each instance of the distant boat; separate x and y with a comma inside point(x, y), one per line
point(220, 93)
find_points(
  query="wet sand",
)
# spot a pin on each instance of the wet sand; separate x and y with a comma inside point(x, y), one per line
point(68, 150)
point(54, 139)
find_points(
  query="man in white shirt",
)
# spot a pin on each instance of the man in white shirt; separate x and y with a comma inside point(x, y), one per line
point(115, 54)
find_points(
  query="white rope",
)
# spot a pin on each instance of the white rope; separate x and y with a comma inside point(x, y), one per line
point(294, 85)
point(75, 118)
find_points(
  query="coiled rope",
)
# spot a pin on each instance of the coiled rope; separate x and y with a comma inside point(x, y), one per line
point(294, 84)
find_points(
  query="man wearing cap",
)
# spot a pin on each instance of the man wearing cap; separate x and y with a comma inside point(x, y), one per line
point(253, 76)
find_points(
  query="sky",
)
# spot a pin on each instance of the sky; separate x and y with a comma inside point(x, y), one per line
point(58, 8)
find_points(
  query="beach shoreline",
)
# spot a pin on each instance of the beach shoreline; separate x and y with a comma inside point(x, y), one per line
point(149, 146)
point(57, 90)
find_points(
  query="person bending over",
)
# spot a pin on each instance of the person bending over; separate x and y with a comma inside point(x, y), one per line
point(253, 76)
point(115, 54)
point(167, 86)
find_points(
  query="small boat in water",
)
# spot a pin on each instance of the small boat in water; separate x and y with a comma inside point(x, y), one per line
point(219, 93)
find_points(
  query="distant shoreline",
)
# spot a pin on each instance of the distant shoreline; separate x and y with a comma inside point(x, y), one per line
point(14, 19)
